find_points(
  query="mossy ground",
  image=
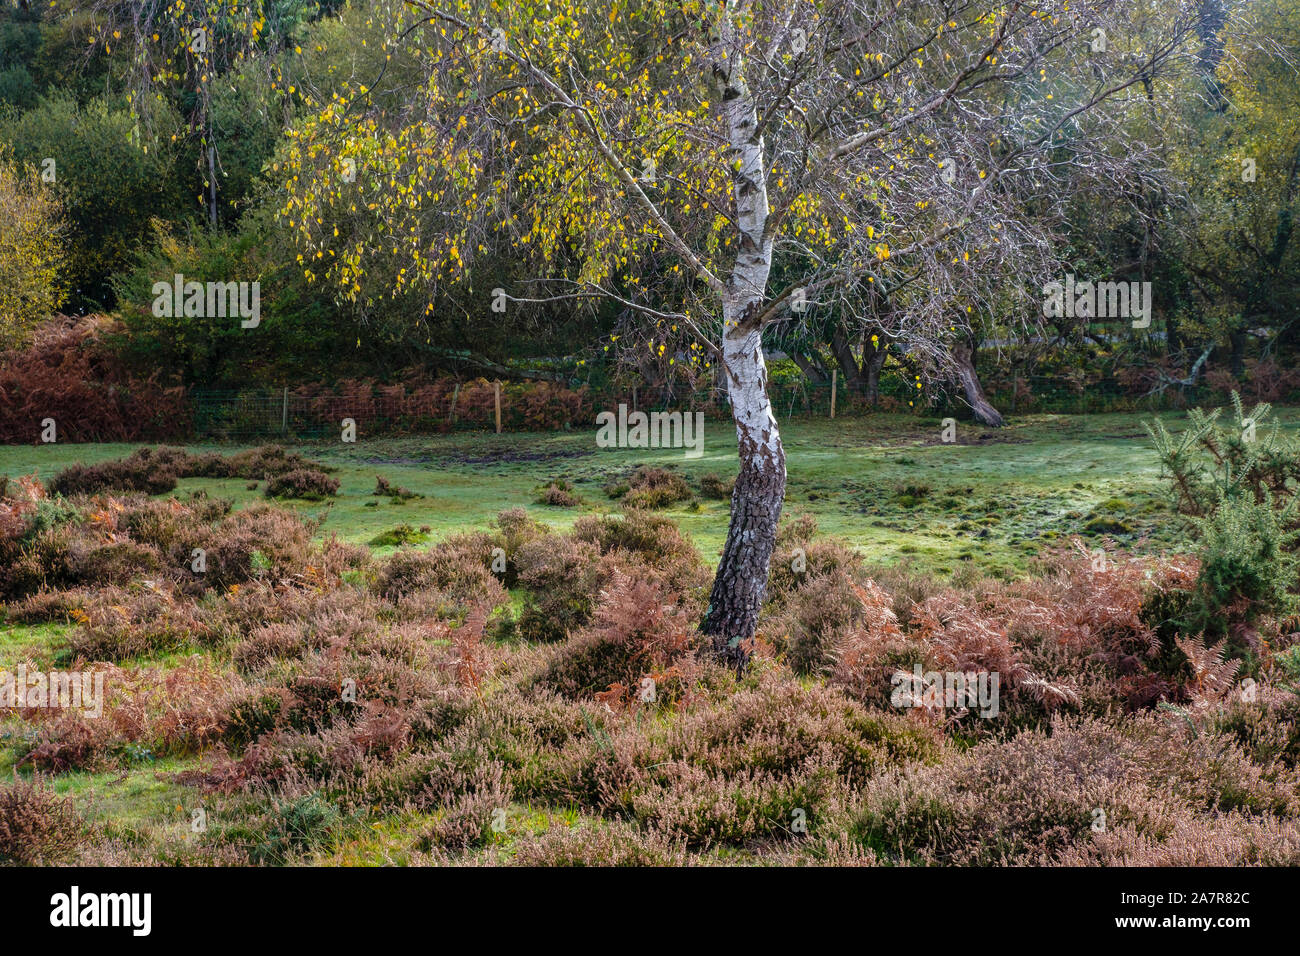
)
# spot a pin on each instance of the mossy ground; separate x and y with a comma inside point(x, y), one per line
point(885, 483)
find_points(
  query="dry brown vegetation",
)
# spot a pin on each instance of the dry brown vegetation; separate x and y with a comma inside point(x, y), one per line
point(316, 691)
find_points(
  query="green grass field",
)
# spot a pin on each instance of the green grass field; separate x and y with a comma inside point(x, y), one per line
point(886, 484)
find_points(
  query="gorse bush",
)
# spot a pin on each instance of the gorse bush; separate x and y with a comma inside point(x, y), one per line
point(1237, 483)
point(1208, 462)
point(300, 826)
point(1248, 568)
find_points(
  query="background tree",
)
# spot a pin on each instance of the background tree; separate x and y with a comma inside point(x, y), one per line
point(183, 56)
point(1232, 242)
point(110, 183)
point(31, 250)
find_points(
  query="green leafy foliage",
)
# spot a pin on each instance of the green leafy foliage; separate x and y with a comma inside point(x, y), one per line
point(111, 179)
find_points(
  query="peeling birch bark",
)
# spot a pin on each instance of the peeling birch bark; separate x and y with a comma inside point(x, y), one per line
point(740, 582)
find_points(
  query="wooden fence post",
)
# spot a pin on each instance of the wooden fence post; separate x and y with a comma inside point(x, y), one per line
point(496, 389)
point(834, 377)
point(454, 396)
point(284, 414)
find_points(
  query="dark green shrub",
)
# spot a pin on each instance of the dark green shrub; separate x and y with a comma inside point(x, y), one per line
point(111, 180)
point(1248, 567)
point(299, 827)
point(1237, 484)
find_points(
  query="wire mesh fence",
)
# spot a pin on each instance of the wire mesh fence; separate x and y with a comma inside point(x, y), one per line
point(265, 413)
point(1021, 395)
point(311, 412)
point(1052, 394)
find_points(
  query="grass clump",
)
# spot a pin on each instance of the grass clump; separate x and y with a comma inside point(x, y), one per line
point(402, 535)
point(385, 489)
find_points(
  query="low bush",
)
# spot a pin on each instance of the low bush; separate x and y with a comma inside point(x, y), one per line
point(308, 484)
point(37, 828)
point(300, 827)
point(654, 542)
point(147, 713)
point(558, 494)
point(117, 625)
point(651, 487)
point(562, 578)
point(453, 575)
point(638, 650)
point(140, 471)
point(156, 470)
point(711, 486)
point(260, 541)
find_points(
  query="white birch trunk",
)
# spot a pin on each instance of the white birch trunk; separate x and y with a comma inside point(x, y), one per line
point(741, 580)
